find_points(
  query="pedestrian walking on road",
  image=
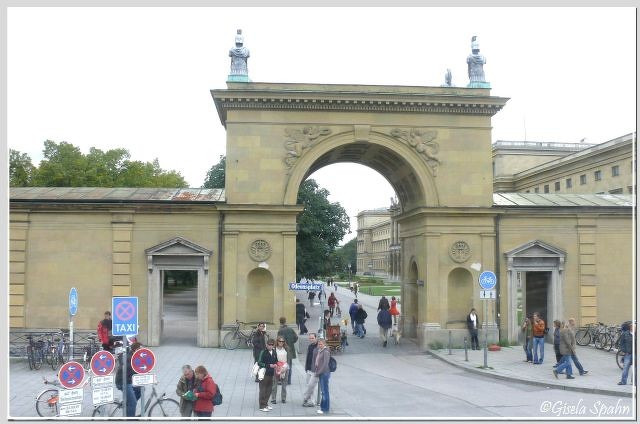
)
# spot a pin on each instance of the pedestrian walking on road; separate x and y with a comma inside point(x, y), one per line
point(360, 317)
point(538, 339)
point(352, 313)
point(204, 393)
point(311, 296)
point(394, 310)
point(309, 367)
point(290, 336)
point(527, 331)
point(626, 346)
point(574, 357)
point(267, 360)
point(259, 342)
point(186, 383)
point(384, 304)
point(566, 350)
point(326, 321)
point(332, 301)
point(556, 342)
point(301, 314)
point(283, 367)
point(323, 374)
point(472, 326)
point(385, 322)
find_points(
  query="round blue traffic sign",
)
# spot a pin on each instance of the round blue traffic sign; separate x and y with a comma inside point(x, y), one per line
point(487, 280)
point(73, 301)
point(71, 375)
point(102, 363)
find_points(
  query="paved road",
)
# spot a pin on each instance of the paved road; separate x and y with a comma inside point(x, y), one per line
point(371, 381)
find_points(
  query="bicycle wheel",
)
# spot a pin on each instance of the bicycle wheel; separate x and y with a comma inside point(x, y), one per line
point(30, 357)
point(38, 359)
point(620, 359)
point(108, 410)
point(231, 340)
point(583, 338)
point(53, 360)
point(600, 341)
point(47, 403)
point(165, 408)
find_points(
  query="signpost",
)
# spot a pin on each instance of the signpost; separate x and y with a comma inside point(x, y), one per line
point(142, 361)
point(71, 376)
point(102, 363)
point(73, 309)
point(487, 281)
point(125, 323)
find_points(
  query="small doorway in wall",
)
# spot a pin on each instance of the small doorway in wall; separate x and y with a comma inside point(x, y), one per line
point(537, 293)
point(179, 307)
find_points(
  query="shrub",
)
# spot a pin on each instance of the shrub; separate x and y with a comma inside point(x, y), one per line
point(436, 346)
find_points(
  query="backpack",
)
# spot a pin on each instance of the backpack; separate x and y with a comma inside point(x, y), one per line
point(217, 398)
point(333, 364)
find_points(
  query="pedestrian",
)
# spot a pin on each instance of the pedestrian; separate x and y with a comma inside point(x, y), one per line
point(323, 374)
point(527, 330)
point(290, 336)
point(556, 342)
point(259, 342)
point(356, 287)
point(186, 383)
point(566, 350)
point(626, 346)
point(311, 296)
point(352, 313)
point(267, 360)
point(472, 326)
point(301, 314)
point(383, 304)
point(360, 317)
point(385, 322)
point(132, 393)
point(394, 310)
point(326, 321)
point(538, 339)
point(283, 367)
point(204, 393)
point(105, 326)
point(574, 357)
point(309, 367)
point(332, 301)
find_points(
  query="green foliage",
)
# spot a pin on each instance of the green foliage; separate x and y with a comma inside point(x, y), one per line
point(321, 226)
point(504, 343)
point(215, 176)
point(345, 255)
point(64, 165)
point(21, 169)
point(436, 345)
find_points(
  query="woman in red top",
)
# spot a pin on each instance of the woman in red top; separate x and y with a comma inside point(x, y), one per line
point(332, 301)
point(203, 406)
point(394, 309)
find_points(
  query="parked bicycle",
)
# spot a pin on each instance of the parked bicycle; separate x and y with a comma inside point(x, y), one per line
point(89, 351)
point(35, 353)
point(162, 407)
point(593, 333)
point(233, 339)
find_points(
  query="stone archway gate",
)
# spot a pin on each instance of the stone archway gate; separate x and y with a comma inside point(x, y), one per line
point(433, 145)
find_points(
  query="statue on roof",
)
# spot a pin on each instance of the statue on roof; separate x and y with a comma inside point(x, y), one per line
point(475, 64)
point(239, 56)
point(447, 78)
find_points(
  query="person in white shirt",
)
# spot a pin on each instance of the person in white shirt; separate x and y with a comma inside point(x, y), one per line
point(282, 368)
point(472, 325)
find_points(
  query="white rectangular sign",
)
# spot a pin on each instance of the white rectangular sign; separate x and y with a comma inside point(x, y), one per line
point(101, 381)
point(143, 379)
point(102, 395)
point(487, 294)
point(70, 396)
point(71, 409)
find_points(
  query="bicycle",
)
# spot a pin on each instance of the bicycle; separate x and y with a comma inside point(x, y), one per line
point(232, 339)
point(35, 354)
point(89, 351)
point(162, 407)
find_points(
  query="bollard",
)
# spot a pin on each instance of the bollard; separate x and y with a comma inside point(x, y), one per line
point(449, 342)
point(466, 352)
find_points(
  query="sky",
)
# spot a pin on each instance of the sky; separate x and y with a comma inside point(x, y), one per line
point(140, 78)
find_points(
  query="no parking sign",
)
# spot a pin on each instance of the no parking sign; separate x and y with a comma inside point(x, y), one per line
point(125, 316)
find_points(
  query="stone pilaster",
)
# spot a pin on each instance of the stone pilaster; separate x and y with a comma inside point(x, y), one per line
point(18, 235)
point(122, 229)
point(587, 270)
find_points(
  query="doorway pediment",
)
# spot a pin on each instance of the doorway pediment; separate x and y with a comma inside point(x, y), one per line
point(178, 247)
point(536, 249)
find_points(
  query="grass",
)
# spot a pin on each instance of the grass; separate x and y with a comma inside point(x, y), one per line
point(436, 346)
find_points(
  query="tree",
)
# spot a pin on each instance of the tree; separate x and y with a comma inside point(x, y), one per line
point(346, 255)
point(215, 176)
point(21, 169)
point(321, 226)
point(64, 165)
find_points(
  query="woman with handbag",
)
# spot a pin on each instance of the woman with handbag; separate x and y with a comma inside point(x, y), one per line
point(203, 392)
point(281, 370)
point(268, 361)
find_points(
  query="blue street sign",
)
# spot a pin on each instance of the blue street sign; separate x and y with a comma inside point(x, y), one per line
point(125, 316)
point(73, 301)
point(487, 280)
point(305, 286)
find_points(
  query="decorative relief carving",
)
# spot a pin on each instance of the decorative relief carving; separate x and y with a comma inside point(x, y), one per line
point(460, 251)
point(423, 142)
point(298, 140)
point(260, 250)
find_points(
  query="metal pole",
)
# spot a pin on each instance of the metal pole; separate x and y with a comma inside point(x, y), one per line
point(142, 401)
point(466, 352)
point(124, 377)
point(449, 342)
point(485, 320)
point(71, 337)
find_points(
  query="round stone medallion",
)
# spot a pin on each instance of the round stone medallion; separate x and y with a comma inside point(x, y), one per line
point(460, 251)
point(260, 250)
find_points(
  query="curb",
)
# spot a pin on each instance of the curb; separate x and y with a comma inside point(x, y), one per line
point(530, 382)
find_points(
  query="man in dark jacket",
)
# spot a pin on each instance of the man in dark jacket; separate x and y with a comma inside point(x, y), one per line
point(301, 313)
point(132, 393)
point(385, 322)
point(352, 313)
point(472, 326)
point(566, 349)
point(383, 305)
point(312, 381)
point(187, 382)
point(290, 336)
point(267, 360)
point(556, 342)
point(626, 346)
point(361, 316)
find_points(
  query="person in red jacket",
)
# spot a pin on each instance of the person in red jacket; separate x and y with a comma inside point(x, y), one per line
point(203, 405)
point(538, 338)
point(104, 331)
